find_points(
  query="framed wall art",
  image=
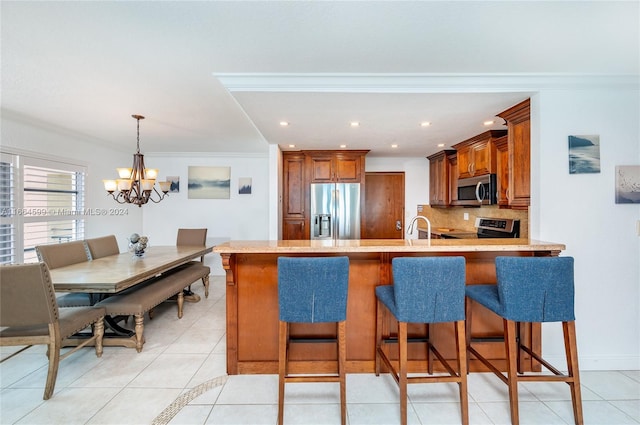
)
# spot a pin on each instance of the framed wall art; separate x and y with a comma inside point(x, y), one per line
point(175, 184)
point(209, 182)
point(628, 184)
point(244, 185)
point(584, 154)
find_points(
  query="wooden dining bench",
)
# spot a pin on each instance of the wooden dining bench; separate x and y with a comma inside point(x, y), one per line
point(140, 299)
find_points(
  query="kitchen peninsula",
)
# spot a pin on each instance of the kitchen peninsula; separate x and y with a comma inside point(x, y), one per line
point(252, 299)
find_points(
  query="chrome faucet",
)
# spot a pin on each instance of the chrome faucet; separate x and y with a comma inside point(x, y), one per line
point(412, 224)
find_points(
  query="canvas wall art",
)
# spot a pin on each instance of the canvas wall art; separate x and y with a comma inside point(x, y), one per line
point(244, 185)
point(209, 182)
point(628, 184)
point(584, 154)
point(175, 184)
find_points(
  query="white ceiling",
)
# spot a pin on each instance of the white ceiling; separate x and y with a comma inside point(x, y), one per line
point(216, 76)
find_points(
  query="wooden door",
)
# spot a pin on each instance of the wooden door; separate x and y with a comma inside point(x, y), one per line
point(384, 206)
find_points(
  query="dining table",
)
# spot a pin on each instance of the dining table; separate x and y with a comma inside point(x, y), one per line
point(113, 274)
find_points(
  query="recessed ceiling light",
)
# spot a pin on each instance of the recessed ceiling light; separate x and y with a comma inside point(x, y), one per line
point(395, 145)
point(425, 124)
point(343, 146)
point(355, 124)
point(284, 124)
point(292, 146)
point(441, 145)
point(488, 122)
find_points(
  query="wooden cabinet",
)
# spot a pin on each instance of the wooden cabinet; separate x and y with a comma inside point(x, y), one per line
point(439, 182)
point(502, 171)
point(336, 166)
point(294, 196)
point(453, 177)
point(477, 155)
point(519, 147)
point(300, 169)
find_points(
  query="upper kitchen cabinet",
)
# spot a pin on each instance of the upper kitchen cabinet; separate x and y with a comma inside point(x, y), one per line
point(502, 171)
point(477, 155)
point(294, 196)
point(336, 166)
point(439, 178)
point(519, 144)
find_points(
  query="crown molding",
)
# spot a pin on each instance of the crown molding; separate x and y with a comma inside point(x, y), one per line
point(419, 83)
point(242, 155)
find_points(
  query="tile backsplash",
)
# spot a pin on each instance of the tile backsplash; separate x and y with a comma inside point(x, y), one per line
point(454, 217)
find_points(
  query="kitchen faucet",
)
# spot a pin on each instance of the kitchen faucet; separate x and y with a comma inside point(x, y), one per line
point(412, 224)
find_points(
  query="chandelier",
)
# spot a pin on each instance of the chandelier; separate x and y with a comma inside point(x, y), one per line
point(136, 185)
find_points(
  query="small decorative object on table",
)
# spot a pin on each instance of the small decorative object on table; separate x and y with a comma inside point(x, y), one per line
point(137, 244)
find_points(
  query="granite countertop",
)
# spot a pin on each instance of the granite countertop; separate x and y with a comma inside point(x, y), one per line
point(386, 245)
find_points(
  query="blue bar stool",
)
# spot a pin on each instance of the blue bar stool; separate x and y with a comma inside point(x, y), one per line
point(531, 289)
point(425, 290)
point(312, 290)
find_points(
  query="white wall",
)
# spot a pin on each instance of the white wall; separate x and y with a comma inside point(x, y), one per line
point(242, 217)
point(36, 139)
point(579, 210)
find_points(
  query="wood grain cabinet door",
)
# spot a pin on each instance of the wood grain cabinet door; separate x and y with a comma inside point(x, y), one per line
point(519, 145)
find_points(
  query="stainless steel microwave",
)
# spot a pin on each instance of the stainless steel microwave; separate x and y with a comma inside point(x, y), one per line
point(476, 191)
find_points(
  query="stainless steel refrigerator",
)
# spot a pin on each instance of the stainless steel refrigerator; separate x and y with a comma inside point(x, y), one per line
point(335, 211)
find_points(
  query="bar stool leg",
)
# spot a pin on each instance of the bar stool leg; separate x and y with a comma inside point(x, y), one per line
point(402, 365)
point(282, 367)
point(511, 351)
point(379, 320)
point(342, 363)
point(571, 350)
point(461, 346)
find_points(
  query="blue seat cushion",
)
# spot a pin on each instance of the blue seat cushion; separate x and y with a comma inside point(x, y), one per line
point(487, 295)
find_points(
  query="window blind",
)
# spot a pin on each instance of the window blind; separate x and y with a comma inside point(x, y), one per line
point(45, 201)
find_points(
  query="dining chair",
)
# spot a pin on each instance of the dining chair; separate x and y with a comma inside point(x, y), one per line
point(195, 237)
point(312, 290)
point(528, 290)
point(425, 290)
point(29, 315)
point(65, 254)
point(102, 246)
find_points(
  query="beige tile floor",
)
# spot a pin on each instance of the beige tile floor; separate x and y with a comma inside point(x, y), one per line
point(180, 356)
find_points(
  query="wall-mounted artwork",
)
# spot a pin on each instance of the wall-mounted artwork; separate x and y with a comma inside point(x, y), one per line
point(244, 185)
point(584, 154)
point(628, 184)
point(209, 183)
point(175, 184)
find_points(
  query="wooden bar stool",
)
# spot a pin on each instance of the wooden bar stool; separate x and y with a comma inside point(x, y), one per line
point(312, 290)
point(531, 289)
point(425, 290)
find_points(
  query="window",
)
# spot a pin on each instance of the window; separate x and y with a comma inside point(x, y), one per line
point(42, 202)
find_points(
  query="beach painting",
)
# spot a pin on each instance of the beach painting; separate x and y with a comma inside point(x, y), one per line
point(244, 186)
point(209, 182)
point(584, 154)
point(628, 184)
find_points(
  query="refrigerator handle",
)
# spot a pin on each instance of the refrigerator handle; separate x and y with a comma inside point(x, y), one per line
point(336, 224)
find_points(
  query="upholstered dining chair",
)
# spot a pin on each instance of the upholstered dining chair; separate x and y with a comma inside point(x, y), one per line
point(103, 246)
point(30, 316)
point(531, 289)
point(425, 290)
point(65, 254)
point(195, 237)
point(312, 290)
